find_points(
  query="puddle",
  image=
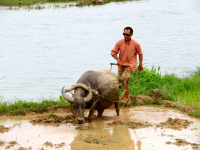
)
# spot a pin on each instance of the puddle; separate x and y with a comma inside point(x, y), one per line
point(108, 132)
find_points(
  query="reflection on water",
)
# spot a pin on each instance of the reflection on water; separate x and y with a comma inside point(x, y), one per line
point(100, 135)
point(43, 50)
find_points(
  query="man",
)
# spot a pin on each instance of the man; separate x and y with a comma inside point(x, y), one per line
point(128, 48)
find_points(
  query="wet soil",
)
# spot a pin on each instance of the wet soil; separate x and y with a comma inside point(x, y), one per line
point(11, 144)
point(182, 142)
point(135, 128)
point(4, 129)
point(102, 140)
point(54, 119)
point(177, 124)
point(131, 124)
point(156, 96)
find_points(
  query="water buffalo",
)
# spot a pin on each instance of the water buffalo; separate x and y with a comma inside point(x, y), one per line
point(95, 90)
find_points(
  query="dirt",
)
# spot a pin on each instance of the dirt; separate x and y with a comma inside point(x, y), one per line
point(156, 96)
point(49, 144)
point(4, 129)
point(182, 142)
point(22, 148)
point(131, 124)
point(86, 128)
point(2, 143)
point(11, 144)
point(102, 140)
point(168, 142)
point(176, 124)
point(51, 109)
point(54, 119)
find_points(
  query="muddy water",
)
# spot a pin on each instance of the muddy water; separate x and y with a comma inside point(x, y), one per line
point(100, 135)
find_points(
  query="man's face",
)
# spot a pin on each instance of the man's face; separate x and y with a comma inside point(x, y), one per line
point(127, 37)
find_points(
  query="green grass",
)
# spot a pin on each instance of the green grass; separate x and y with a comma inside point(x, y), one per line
point(184, 90)
point(32, 2)
point(51, 115)
point(20, 107)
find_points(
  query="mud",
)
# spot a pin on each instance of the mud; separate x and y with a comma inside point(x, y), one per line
point(54, 119)
point(132, 125)
point(23, 148)
point(4, 129)
point(176, 124)
point(11, 144)
point(102, 140)
point(2, 143)
point(135, 128)
point(49, 144)
point(182, 142)
point(156, 96)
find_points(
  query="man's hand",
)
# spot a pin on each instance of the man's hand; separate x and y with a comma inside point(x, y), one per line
point(140, 67)
point(119, 63)
point(140, 64)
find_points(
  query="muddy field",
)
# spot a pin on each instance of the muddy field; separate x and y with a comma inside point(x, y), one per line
point(137, 128)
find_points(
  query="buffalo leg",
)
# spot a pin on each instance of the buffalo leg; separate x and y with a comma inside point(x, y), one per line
point(91, 113)
point(100, 112)
point(117, 108)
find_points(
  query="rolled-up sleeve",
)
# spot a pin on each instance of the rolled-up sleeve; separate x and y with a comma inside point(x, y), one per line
point(115, 50)
point(138, 49)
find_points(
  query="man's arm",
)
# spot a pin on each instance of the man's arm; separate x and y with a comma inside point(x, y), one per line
point(140, 67)
point(117, 58)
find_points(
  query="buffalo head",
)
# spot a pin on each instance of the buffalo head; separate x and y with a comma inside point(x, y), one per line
point(78, 103)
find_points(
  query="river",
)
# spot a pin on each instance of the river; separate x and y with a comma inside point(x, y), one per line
point(43, 50)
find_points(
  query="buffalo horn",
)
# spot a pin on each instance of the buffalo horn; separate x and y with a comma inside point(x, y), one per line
point(89, 96)
point(65, 96)
point(81, 86)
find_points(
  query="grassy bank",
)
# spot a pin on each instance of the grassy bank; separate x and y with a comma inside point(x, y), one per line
point(20, 107)
point(32, 2)
point(184, 90)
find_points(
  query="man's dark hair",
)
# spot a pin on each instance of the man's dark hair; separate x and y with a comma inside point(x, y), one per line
point(129, 28)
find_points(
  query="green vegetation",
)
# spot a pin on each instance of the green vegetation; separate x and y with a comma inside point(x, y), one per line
point(29, 2)
point(184, 90)
point(51, 115)
point(20, 107)
point(32, 2)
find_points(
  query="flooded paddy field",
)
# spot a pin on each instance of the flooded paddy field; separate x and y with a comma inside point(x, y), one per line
point(137, 128)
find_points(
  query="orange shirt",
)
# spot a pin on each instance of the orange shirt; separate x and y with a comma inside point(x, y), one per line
point(127, 53)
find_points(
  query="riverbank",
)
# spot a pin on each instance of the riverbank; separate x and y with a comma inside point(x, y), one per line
point(185, 90)
point(40, 2)
point(180, 93)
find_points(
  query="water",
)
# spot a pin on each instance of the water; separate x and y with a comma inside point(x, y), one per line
point(43, 50)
